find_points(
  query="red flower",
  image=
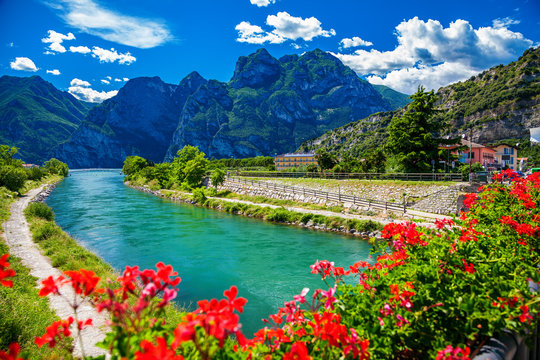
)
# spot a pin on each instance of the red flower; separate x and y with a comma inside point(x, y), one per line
point(54, 333)
point(51, 285)
point(298, 351)
point(12, 353)
point(160, 351)
point(525, 315)
point(468, 267)
point(83, 281)
point(5, 271)
point(449, 353)
point(470, 200)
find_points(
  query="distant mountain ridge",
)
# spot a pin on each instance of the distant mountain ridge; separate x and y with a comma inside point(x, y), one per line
point(269, 106)
point(36, 117)
point(500, 103)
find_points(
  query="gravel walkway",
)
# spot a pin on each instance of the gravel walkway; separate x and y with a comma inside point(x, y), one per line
point(19, 240)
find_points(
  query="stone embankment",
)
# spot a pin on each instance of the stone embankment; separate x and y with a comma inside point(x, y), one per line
point(435, 199)
point(185, 198)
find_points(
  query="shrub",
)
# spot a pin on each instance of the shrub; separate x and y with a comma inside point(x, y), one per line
point(55, 166)
point(199, 195)
point(279, 215)
point(46, 231)
point(34, 173)
point(41, 210)
point(12, 177)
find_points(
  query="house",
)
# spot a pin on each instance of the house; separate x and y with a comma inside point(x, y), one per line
point(29, 166)
point(286, 161)
point(506, 155)
point(478, 153)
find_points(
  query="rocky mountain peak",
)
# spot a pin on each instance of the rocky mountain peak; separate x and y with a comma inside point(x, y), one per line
point(257, 70)
point(192, 81)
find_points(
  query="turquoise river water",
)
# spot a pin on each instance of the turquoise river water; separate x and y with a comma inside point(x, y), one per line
point(211, 250)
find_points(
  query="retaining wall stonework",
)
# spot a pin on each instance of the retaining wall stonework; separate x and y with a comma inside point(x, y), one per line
point(443, 201)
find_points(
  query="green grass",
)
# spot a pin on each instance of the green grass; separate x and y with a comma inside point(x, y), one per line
point(25, 315)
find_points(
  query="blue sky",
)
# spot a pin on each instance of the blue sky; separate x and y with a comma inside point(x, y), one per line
point(91, 47)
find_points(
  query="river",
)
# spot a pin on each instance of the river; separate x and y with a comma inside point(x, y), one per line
point(211, 250)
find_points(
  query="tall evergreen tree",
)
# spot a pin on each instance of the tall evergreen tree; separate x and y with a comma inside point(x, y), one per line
point(412, 137)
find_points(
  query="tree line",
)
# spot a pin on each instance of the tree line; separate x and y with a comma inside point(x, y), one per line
point(13, 175)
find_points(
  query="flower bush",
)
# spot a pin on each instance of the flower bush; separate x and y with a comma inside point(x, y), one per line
point(427, 293)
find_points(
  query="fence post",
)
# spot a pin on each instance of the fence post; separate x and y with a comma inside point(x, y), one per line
point(386, 206)
point(404, 207)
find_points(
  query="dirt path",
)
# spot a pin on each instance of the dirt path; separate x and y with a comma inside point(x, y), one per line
point(19, 240)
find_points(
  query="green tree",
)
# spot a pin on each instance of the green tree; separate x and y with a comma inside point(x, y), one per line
point(325, 160)
point(134, 164)
point(12, 177)
point(412, 136)
point(6, 155)
point(217, 178)
point(55, 166)
point(189, 166)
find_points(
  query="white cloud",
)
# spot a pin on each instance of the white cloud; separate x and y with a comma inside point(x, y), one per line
point(112, 55)
point(125, 79)
point(108, 77)
point(54, 72)
point(260, 3)
point(118, 80)
point(55, 39)
point(81, 90)
point(10, 45)
point(504, 22)
point(23, 64)
point(79, 82)
point(80, 49)
point(285, 27)
point(253, 34)
point(105, 81)
point(90, 17)
point(354, 42)
point(431, 77)
point(424, 46)
point(291, 27)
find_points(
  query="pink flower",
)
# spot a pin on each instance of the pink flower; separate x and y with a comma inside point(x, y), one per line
point(168, 295)
point(302, 297)
point(330, 299)
point(401, 320)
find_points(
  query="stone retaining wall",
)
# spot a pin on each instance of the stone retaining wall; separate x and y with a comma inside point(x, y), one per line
point(444, 201)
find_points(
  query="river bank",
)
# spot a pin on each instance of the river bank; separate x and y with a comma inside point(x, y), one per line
point(361, 226)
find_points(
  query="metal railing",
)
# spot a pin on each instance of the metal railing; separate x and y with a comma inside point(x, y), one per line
point(361, 176)
point(328, 196)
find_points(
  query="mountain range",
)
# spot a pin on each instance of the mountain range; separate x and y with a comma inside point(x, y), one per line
point(35, 116)
point(500, 103)
point(269, 106)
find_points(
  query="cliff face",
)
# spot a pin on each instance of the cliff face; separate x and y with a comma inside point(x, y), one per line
point(35, 116)
point(271, 106)
point(500, 103)
point(139, 120)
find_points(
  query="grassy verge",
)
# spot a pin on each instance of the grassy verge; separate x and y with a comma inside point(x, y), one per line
point(279, 215)
point(24, 315)
point(264, 200)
